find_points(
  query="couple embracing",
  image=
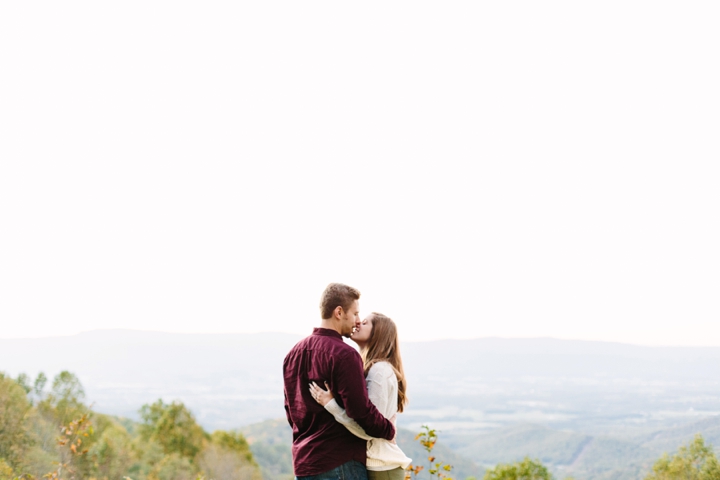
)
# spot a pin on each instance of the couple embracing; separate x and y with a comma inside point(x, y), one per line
point(342, 405)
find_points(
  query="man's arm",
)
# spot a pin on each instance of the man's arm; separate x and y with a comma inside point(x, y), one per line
point(349, 384)
point(285, 394)
point(287, 410)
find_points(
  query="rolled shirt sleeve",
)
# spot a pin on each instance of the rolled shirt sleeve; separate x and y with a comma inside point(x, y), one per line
point(352, 395)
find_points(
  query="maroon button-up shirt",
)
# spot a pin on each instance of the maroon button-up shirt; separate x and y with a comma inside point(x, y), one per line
point(319, 442)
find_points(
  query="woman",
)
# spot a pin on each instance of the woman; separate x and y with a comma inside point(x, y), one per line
point(379, 347)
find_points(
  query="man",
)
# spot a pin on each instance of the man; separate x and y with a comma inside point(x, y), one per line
point(323, 448)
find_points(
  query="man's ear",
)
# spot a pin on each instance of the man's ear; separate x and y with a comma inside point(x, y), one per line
point(337, 313)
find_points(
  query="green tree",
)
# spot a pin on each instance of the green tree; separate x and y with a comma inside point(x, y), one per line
point(173, 467)
point(112, 455)
point(228, 456)
point(14, 408)
point(217, 462)
point(71, 447)
point(525, 470)
point(24, 381)
point(65, 399)
point(38, 389)
point(696, 461)
point(173, 427)
point(6, 472)
point(234, 442)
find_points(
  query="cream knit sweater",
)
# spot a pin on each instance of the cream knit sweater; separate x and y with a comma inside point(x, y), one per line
point(382, 388)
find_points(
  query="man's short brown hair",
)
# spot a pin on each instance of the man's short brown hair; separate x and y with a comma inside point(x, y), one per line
point(337, 295)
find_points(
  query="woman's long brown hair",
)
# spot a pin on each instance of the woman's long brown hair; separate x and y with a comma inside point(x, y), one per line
point(383, 346)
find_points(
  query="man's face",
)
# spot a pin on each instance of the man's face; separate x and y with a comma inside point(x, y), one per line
point(350, 319)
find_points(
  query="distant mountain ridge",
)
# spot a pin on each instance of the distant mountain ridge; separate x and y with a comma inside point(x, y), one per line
point(235, 379)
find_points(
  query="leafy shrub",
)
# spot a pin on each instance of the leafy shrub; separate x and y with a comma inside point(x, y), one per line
point(696, 461)
point(526, 470)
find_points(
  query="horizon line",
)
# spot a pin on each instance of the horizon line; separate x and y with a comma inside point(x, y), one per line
point(131, 330)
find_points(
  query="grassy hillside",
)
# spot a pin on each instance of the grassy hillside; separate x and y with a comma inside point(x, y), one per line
point(270, 444)
point(589, 457)
point(665, 440)
point(514, 443)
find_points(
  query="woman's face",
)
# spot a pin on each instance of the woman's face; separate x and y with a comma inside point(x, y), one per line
point(362, 333)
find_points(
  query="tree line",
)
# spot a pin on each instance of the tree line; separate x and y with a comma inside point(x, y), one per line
point(47, 431)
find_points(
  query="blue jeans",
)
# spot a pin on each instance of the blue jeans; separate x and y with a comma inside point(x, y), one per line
point(351, 470)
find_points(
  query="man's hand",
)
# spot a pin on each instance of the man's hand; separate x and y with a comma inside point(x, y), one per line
point(321, 396)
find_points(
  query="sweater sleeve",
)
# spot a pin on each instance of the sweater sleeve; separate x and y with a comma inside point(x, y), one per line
point(380, 380)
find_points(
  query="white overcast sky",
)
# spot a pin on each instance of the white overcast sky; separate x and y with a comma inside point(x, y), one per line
point(508, 168)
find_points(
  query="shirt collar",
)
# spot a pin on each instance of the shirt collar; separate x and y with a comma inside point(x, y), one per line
point(326, 332)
